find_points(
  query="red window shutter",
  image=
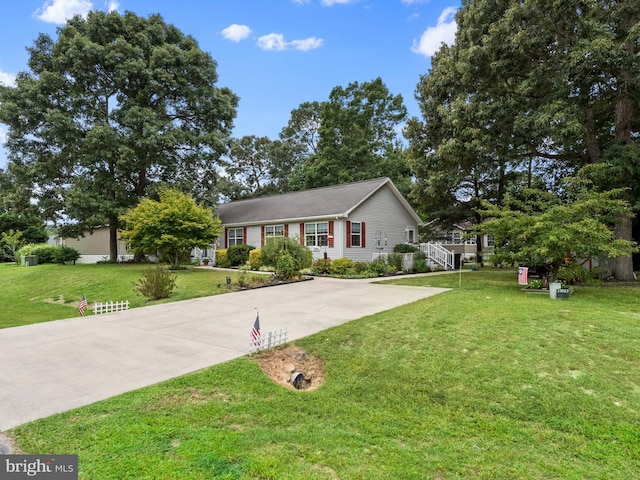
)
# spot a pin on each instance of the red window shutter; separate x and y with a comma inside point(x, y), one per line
point(262, 236)
point(244, 235)
point(303, 241)
point(330, 242)
point(286, 229)
point(348, 234)
point(226, 238)
point(362, 235)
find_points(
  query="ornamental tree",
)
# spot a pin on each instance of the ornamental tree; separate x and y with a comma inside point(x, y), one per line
point(170, 227)
point(537, 227)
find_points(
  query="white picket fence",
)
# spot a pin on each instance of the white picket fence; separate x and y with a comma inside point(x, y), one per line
point(268, 340)
point(109, 307)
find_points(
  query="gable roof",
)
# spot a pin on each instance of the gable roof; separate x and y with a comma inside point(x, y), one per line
point(335, 201)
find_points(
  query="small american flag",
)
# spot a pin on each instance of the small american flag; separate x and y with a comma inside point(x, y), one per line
point(83, 305)
point(523, 275)
point(255, 331)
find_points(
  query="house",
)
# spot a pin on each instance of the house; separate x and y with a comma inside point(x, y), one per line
point(456, 239)
point(94, 246)
point(355, 220)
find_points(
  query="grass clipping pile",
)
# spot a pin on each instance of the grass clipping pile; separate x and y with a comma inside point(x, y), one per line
point(281, 363)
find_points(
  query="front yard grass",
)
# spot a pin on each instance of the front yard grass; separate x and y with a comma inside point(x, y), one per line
point(52, 292)
point(481, 382)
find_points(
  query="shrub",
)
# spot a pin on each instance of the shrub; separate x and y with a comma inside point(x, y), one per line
point(65, 254)
point(340, 266)
point(405, 248)
point(359, 267)
point(44, 252)
point(572, 274)
point(419, 255)
point(420, 265)
point(221, 258)
point(157, 283)
point(395, 260)
point(255, 259)
point(286, 266)
point(238, 254)
point(301, 255)
point(378, 267)
point(321, 266)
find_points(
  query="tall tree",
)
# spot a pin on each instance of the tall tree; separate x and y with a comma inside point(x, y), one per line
point(554, 84)
point(117, 104)
point(358, 136)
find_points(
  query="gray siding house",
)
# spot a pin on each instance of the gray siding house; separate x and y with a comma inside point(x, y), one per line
point(355, 220)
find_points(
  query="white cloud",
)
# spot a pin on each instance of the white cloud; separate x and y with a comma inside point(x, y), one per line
point(112, 6)
point(310, 43)
point(236, 32)
point(413, 2)
point(59, 11)
point(273, 41)
point(276, 41)
point(433, 37)
point(7, 79)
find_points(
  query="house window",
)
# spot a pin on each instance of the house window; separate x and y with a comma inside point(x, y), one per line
point(356, 234)
point(471, 240)
point(490, 241)
point(274, 231)
point(235, 236)
point(316, 234)
point(411, 235)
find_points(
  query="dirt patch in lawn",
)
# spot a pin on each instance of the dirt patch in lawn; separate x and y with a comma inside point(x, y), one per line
point(284, 364)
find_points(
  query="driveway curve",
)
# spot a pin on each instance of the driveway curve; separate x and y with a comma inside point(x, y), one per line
point(60, 365)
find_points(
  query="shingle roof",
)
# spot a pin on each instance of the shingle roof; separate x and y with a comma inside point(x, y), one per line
point(337, 200)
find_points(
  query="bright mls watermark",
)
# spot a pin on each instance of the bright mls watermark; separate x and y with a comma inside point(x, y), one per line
point(49, 467)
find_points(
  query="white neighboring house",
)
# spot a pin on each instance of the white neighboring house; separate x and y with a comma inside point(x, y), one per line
point(454, 240)
point(354, 220)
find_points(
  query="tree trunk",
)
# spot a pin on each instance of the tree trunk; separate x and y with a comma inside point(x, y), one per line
point(113, 239)
point(623, 266)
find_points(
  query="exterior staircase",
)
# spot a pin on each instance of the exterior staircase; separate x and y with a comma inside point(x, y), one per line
point(438, 255)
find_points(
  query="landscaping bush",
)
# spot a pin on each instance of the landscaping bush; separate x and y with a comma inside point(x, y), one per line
point(63, 255)
point(405, 248)
point(221, 258)
point(157, 283)
point(238, 254)
point(301, 255)
point(420, 265)
point(45, 253)
point(321, 266)
point(255, 259)
point(395, 260)
point(286, 266)
point(359, 268)
point(572, 274)
point(340, 266)
point(377, 268)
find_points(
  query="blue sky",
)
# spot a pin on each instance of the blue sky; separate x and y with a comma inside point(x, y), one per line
point(273, 54)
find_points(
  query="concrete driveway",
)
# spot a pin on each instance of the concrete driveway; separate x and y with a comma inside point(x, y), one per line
point(52, 367)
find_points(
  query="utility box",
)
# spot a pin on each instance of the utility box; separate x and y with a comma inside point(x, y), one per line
point(30, 260)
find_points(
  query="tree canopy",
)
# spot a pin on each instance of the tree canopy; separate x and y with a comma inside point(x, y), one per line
point(540, 228)
point(529, 93)
point(115, 106)
point(171, 227)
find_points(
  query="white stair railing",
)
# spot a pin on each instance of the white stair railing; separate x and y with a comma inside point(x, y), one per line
point(436, 253)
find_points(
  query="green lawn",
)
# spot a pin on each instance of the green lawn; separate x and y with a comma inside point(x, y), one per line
point(51, 292)
point(481, 382)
